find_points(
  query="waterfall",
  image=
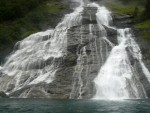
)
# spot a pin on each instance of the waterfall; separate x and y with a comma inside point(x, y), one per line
point(37, 57)
point(97, 66)
point(117, 78)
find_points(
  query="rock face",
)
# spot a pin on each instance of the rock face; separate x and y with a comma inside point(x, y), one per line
point(144, 44)
point(3, 95)
point(50, 21)
point(87, 51)
point(122, 21)
point(145, 50)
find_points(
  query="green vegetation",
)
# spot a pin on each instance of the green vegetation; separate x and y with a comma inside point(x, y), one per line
point(12, 9)
point(129, 7)
point(143, 25)
point(139, 9)
point(129, 10)
point(20, 18)
point(147, 9)
point(146, 36)
point(133, 2)
point(55, 8)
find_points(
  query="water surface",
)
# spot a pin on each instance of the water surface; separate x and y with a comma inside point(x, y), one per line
point(73, 106)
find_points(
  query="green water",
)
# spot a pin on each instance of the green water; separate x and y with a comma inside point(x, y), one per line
point(73, 106)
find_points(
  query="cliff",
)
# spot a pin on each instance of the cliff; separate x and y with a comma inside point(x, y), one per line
point(87, 51)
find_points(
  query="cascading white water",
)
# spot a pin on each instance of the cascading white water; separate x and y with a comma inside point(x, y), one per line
point(104, 18)
point(112, 80)
point(36, 56)
point(138, 55)
point(117, 78)
point(103, 15)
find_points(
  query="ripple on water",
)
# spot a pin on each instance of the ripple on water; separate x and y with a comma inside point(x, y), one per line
point(73, 106)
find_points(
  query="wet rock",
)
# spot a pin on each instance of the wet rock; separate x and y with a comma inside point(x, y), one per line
point(142, 78)
point(87, 51)
point(111, 35)
point(143, 44)
point(3, 95)
point(139, 71)
point(70, 59)
point(122, 21)
point(89, 15)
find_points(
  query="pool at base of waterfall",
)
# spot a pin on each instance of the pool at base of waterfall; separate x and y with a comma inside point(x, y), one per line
point(73, 106)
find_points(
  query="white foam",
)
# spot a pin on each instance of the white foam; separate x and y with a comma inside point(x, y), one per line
point(29, 62)
point(117, 73)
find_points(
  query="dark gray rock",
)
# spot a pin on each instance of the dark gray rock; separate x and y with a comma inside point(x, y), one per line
point(3, 95)
point(87, 51)
point(122, 21)
point(138, 68)
point(89, 15)
point(143, 43)
point(112, 35)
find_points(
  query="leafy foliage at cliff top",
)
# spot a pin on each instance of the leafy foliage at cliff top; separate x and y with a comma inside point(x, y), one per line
point(140, 9)
point(20, 18)
point(12, 9)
